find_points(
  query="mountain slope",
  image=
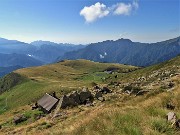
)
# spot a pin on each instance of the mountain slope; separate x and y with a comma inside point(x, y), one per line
point(18, 59)
point(125, 51)
point(53, 50)
point(6, 70)
point(120, 113)
point(45, 51)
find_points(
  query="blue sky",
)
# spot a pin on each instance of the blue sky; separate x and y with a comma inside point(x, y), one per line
point(87, 21)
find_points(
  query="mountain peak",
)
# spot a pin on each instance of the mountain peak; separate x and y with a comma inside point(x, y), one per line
point(41, 42)
point(124, 40)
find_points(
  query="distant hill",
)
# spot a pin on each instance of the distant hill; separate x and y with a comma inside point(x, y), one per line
point(6, 70)
point(7, 60)
point(125, 51)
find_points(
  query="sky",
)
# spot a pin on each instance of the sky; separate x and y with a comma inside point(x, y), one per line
point(89, 21)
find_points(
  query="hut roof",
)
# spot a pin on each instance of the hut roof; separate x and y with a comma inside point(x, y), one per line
point(47, 102)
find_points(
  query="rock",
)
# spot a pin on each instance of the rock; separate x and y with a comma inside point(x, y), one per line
point(106, 90)
point(74, 95)
point(98, 94)
point(35, 106)
point(170, 106)
point(101, 99)
point(128, 92)
point(177, 123)
point(65, 101)
point(171, 117)
point(89, 103)
point(97, 87)
point(171, 85)
point(19, 119)
point(0, 127)
point(142, 92)
point(84, 95)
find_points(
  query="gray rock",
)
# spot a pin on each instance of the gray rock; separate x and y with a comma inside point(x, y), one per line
point(101, 99)
point(65, 101)
point(19, 119)
point(171, 117)
point(98, 94)
point(177, 124)
point(84, 95)
point(106, 90)
point(75, 96)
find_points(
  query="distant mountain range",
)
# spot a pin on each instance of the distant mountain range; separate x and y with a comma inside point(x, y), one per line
point(44, 51)
point(13, 53)
point(125, 51)
point(48, 52)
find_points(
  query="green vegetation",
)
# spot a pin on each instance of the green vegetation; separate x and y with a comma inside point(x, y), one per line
point(119, 114)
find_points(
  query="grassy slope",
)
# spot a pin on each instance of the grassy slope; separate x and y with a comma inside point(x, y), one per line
point(124, 115)
point(61, 77)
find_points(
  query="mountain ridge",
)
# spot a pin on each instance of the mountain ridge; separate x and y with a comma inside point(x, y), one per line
point(125, 51)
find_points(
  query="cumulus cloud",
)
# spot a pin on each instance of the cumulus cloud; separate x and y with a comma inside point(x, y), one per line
point(122, 9)
point(94, 12)
point(125, 9)
point(100, 10)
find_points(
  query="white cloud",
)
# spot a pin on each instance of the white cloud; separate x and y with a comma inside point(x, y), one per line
point(125, 9)
point(100, 10)
point(94, 12)
point(122, 9)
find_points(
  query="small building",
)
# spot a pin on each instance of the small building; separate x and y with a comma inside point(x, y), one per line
point(47, 103)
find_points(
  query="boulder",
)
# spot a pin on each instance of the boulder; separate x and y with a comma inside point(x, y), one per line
point(98, 94)
point(19, 119)
point(171, 117)
point(97, 87)
point(65, 101)
point(101, 99)
point(74, 95)
point(177, 124)
point(84, 95)
point(106, 90)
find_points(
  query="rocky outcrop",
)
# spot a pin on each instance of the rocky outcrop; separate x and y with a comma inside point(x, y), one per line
point(66, 101)
point(75, 95)
point(19, 119)
point(84, 95)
